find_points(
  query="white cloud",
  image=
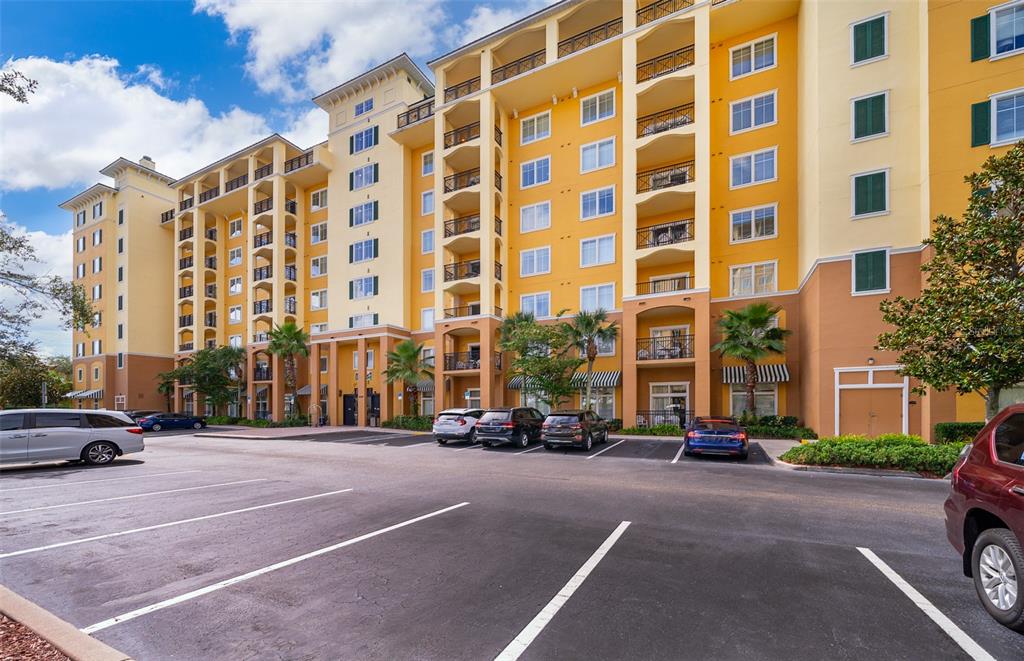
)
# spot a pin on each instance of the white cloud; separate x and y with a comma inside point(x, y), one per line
point(486, 19)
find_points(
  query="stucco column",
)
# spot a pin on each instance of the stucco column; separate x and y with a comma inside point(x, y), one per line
point(387, 343)
point(332, 385)
point(277, 389)
point(314, 383)
point(487, 363)
point(439, 349)
point(250, 386)
point(629, 375)
point(701, 403)
point(362, 401)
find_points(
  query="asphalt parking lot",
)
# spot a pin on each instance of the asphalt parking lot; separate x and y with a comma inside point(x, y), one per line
point(388, 546)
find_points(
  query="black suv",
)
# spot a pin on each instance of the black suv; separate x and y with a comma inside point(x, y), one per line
point(518, 425)
point(580, 429)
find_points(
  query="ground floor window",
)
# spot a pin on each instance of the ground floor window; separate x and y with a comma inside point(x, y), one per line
point(532, 399)
point(604, 402)
point(208, 408)
point(189, 407)
point(766, 399)
point(426, 403)
point(119, 402)
point(289, 404)
point(472, 398)
point(233, 410)
point(668, 396)
point(262, 409)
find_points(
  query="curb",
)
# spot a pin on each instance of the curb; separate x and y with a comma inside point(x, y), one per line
point(304, 435)
point(62, 635)
point(873, 472)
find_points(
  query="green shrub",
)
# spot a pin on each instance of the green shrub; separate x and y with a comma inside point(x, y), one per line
point(656, 430)
point(780, 431)
point(254, 423)
point(772, 421)
point(221, 420)
point(891, 451)
point(957, 432)
point(410, 422)
point(615, 424)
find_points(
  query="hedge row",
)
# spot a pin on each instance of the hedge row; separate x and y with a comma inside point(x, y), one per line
point(957, 432)
point(410, 422)
point(291, 421)
point(891, 451)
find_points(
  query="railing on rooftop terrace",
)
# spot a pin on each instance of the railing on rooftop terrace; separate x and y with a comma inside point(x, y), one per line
point(587, 38)
point(416, 112)
point(660, 9)
point(516, 67)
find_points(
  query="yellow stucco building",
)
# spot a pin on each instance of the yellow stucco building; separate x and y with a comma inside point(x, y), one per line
point(665, 161)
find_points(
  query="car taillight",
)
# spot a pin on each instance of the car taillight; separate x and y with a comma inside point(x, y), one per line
point(691, 434)
point(743, 435)
point(961, 460)
point(437, 420)
point(577, 427)
point(133, 430)
point(545, 426)
point(141, 420)
point(507, 425)
point(462, 421)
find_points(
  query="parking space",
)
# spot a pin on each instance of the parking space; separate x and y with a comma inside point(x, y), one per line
point(231, 548)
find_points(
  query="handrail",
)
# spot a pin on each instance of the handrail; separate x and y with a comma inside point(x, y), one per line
point(262, 307)
point(664, 120)
point(468, 360)
point(587, 38)
point(462, 270)
point(462, 225)
point(418, 111)
point(264, 239)
point(462, 134)
point(665, 176)
point(167, 216)
point(664, 285)
point(664, 64)
point(460, 180)
point(470, 310)
point(516, 67)
point(660, 9)
point(209, 194)
point(666, 347)
point(263, 171)
point(300, 161)
point(263, 205)
point(186, 233)
point(461, 89)
point(237, 182)
point(665, 234)
point(186, 204)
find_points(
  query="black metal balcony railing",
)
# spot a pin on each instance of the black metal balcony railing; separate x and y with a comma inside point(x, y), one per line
point(497, 226)
point(665, 234)
point(462, 134)
point(185, 263)
point(467, 360)
point(186, 233)
point(263, 171)
point(210, 319)
point(289, 305)
point(185, 204)
point(497, 180)
point(462, 270)
point(261, 273)
point(211, 344)
point(664, 64)
point(263, 205)
point(262, 307)
point(664, 285)
point(516, 67)
point(290, 239)
point(237, 182)
point(497, 271)
point(460, 180)
point(462, 225)
point(290, 273)
point(291, 206)
point(667, 347)
point(651, 418)
point(210, 262)
point(594, 35)
point(666, 120)
point(185, 320)
point(185, 292)
point(497, 135)
point(470, 310)
point(664, 177)
point(660, 9)
point(185, 346)
point(264, 239)
point(209, 194)
point(211, 234)
point(260, 337)
point(167, 216)
point(416, 112)
point(300, 161)
point(262, 374)
point(462, 89)
point(211, 291)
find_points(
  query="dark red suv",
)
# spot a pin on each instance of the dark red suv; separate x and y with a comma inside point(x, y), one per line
point(985, 515)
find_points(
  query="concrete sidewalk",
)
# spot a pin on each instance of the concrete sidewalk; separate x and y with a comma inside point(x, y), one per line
point(270, 433)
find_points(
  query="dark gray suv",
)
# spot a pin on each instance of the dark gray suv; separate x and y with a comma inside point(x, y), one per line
point(579, 429)
point(518, 426)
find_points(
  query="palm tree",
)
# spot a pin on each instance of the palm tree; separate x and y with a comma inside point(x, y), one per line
point(587, 330)
point(165, 386)
point(751, 334)
point(288, 340)
point(407, 364)
point(511, 322)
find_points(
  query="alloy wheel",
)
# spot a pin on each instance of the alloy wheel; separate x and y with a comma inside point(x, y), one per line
point(101, 453)
point(998, 577)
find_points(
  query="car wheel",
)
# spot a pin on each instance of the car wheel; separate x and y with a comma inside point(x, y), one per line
point(998, 566)
point(197, 425)
point(588, 443)
point(522, 440)
point(486, 444)
point(744, 456)
point(548, 446)
point(156, 427)
point(442, 441)
point(99, 454)
point(471, 436)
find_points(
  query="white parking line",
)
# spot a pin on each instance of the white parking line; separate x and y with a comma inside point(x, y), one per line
point(533, 629)
point(131, 615)
point(678, 454)
point(134, 495)
point(606, 449)
point(365, 439)
point(5, 490)
point(475, 446)
point(206, 517)
point(529, 449)
point(973, 649)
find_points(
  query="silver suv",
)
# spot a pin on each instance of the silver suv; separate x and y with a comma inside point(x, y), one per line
point(95, 437)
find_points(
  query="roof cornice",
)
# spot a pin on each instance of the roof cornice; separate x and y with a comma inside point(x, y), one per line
point(381, 72)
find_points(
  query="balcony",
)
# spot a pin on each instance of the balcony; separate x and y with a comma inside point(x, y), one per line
point(300, 161)
point(263, 206)
point(211, 291)
point(664, 177)
point(516, 67)
point(262, 373)
point(416, 113)
point(460, 180)
point(263, 171)
point(209, 194)
point(462, 270)
point(211, 344)
point(664, 64)
point(260, 337)
point(290, 273)
point(467, 360)
point(497, 135)
point(666, 120)
point(185, 234)
point(185, 292)
point(185, 320)
point(590, 37)
point(185, 346)
point(264, 239)
point(210, 319)
point(462, 89)
point(261, 273)
point(167, 216)
point(289, 305)
point(470, 310)
point(660, 9)
point(290, 239)
point(664, 285)
point(185, 204)
point(497, 271)
point(664, 234)
point(237, 182)
point(462, 134)
point(463, 225)
point(185, 263)
point(211, 234)
point(497, 181)
point(262, 307)
point(669, 347)
point(291, 206)
point(210, 262)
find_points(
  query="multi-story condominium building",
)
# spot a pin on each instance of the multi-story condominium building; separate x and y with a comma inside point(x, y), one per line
point(664, 161)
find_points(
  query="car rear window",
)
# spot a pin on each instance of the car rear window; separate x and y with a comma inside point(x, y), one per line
point(496, 416)
point(100, 420)
point(1009, 439)
point(562, 419)
point(717, 425)
point(449, 416)
point(58, 419)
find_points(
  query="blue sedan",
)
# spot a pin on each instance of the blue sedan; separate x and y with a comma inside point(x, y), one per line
point(721, 436)
point(159, 421)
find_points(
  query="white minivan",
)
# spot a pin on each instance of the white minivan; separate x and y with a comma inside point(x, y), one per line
point(96, 437)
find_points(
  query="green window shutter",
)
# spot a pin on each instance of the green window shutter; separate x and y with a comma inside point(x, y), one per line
point(350, 322)
point(869, 39)
point(351, 144)
point(376, 289)
point(376, 173)
point(878, 191)
point(375, 211)
point(860, 118)
point(376, 250)
point(869, 193)
point(376, 134)
point(870, 271)
point(376, 318)
point(351, 290)
point(351, 217)
point(350, 253)
point(860, 196)
point(981, 38)
point(869, 116)
point(351, 181)
point(981, 123)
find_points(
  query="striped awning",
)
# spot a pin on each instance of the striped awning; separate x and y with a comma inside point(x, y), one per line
point(765, 374)
point(187, 395)
point(74, 394)
point(260, 390)
point(425, 385)
point(88, 394)
point(304, 390)
point(602, 379)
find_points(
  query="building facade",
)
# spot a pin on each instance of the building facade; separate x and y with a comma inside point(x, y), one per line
point(664, 161)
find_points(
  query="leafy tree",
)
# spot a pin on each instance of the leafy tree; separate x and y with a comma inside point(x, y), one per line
point(17, 85)
point(544, 355)
point(750, 334)
point(21, 379)
point(214, 373)
point(587, 330)
point(966, 329)
point(407, 364)
point(62, 365)
point(288, 341)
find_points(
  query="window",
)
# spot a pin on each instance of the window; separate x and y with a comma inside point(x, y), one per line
point(535, 173)
point(754, 168)
point(235, 227)
point(427, 163)
point(80, 244)
point(235, 341)
point(120, 274)
point(62, 419)
point(324, 364)
point(97, 319)
point(428, 356)
point(535, 217)
point(597, 297)
point(97, 292)
point(318, 266)
point(318, 299)
point(79, 352)
point(120, 246)
point(97, 237)
point(869, 116)
point(79, 218)
point(664, 395)
point(535, 128)
point(427, 403)
point(235, 285)
point(427, 242)
point(765, 399)
point(361, 251)
point(97, 210)
point(752, 224)
point(319, 328)
point(318, 200)
point(870, 193)
point(363, 287)
point(1009, 29)
point(871, 272)
point(752, 57)
point(362, 214)
point(97, 264)
point(535, 261)
point(539, 305)
point(80, 271)
point(598, 250)
point(869, 39)
point(426, 202)
point(235, 314)
point(363, 140)
point(750, 279)
point(362, 177)
point(604, 402)
point(752, 113)
point(97, 348)
point(427, 280)
point(1008, 111)
point(597, 107)
point(597, 203)
point(120, 360)
point(364, 106)
point(362, 320)
point(1008, 440)
point(234, 257)
point(427, 319)
point(318, 233)
point(597, 155)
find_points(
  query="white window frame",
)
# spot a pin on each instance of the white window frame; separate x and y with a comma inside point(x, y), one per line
point(534, 296)
point(97, 347)
point(423, 315)
point(545, 203)
point(366, 135)
point(362, 287)
point(424, 196)
point(318, 263)
point(597, 240)
point(363, 107)
point(885, 32)
point(775, 55)
point(753, 237)
point(367, 252)
point(320, 327)
point(598, 286)
point(774, 93)
point(753, 280)
point(368, 168)
point(888, 272)
point(234, 256)
point(522, 165)
point(232, 289)
point(751, 154)
point(992, 32)
point(318, 299)
point(427, 157)
point(596, 192)
point(80, 244)
point(97, 236)
point(97, 292)
point(367, 208)
point(423, 243)
point(97, 264)
point(533, 251)
point(533, 118)
point(320, 233)
point(423, 280)
point(775, 397)
point(993, 141)
point(80, 270)
point(232, 317)
point(235, 341)
point(597, 146)
point(853, 117)
point(357, 320)
point(853, 194)
point(232, 224)
point(669, 395)
point(97, 209)
point(316, 199)
point(596, 95)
